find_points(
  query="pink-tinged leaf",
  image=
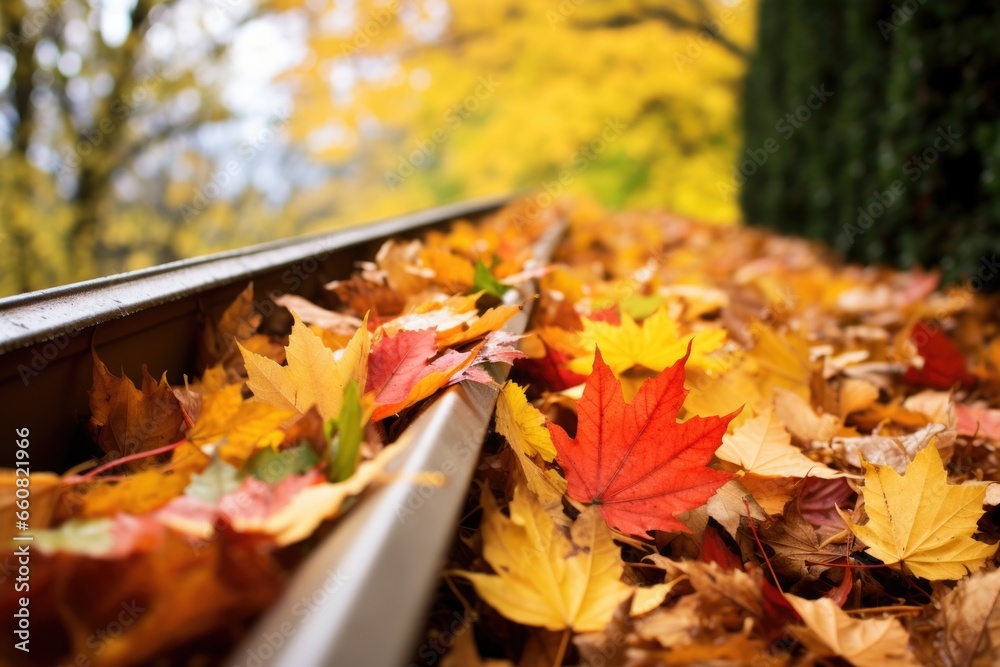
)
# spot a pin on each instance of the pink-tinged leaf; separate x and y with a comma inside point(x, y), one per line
point(499, 347)
point(398, 362)
point(977, 420)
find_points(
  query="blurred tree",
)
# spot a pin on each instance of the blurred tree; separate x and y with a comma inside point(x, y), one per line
point(94, 100)
point(632, 101)
point(896, 160)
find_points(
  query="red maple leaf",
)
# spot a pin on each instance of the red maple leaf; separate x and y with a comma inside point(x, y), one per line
point(634, 460)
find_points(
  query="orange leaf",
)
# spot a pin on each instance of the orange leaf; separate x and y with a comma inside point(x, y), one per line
point(126, 420)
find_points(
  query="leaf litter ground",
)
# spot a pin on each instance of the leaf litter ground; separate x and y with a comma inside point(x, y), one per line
point(718, 446)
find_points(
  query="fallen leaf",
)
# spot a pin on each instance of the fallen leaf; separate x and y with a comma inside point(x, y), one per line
point(215, 481)
point(238, 323)
point(499, 347)
point(817, 500)
point(549, 370)
point(490, 321)
point(784, 358)
point(236, 426)
point(895, 451)
point(402, 370)
point(522, 424)
point(830, 632)
point(648, 598)
point(654, 345)
point(671, 626)
point(763, 447)
point(126, 420)
point(545, 577)
point(795, 542)
point(286, 512)
point(937, 406)
point(943, 364)
point(977, 420)
point(856, 395)
point(634, 461)
point(484, 281)
point(308, 311)
point(272, 466)
point(970, 616)
point(727, 506)
point(312, 376)
point(718, 588)
point(920, 520)
point(801, 420)
point(363, 296)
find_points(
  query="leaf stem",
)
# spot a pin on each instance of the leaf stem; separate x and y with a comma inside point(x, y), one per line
point(125, 459)
point(563, 644)
point(763, 553)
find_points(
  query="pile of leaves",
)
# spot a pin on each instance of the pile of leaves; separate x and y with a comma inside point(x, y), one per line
point(718, 446)
point(208, 494)
point(724, 447)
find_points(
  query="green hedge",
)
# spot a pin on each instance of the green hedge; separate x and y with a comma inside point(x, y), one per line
point(892, 108)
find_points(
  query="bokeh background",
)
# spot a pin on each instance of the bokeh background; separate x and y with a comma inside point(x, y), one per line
point(136, 132)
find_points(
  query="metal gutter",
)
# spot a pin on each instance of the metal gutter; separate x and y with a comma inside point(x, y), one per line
point(360, 598)
point(35, 317)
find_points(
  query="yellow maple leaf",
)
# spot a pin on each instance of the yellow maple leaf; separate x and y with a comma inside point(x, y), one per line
point(312, 375)
point(240, 427)
point(831, 632)
point(726, 393)
point(654, 345)
point(545, 577)
point(921, 520)
point(783, 358)
point(763, 446)
point(523, 426)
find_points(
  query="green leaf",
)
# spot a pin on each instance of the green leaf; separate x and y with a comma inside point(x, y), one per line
point(639, 306)
point(270, 466)
point(484, 280)
point(215, 481)
point(346, 449)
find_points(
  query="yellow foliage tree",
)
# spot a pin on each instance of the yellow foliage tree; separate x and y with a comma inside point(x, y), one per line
point(634, 101)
